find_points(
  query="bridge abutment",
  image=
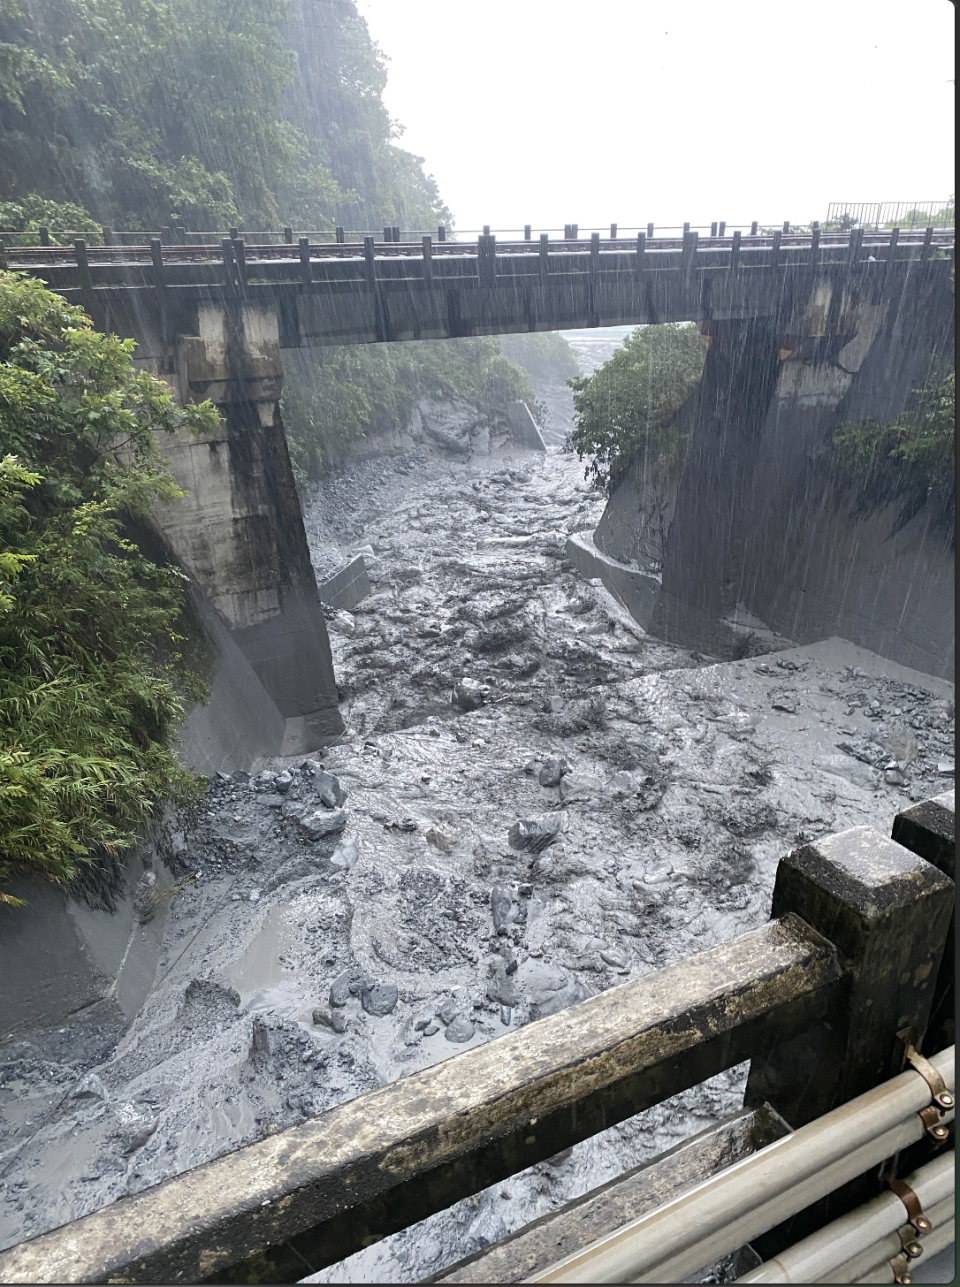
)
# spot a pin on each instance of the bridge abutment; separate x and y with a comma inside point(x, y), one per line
point(239, 532)
point(761, 517)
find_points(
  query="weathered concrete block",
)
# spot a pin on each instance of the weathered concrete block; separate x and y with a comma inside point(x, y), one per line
point(887, 911)
point(929, 829)
point(348, 587)
point(638, 591)
point(524, 429)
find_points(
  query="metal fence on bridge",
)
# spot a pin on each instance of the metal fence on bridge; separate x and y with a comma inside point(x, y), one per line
point(886, 214)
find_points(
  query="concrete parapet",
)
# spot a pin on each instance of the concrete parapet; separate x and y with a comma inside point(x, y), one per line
point(930, 830)
point(348, 587)
point(887, 911)
point(639, 592)
point(317, 1191)
point(523, 428)
point(575, 1225)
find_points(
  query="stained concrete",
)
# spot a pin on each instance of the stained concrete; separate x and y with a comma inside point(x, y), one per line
point(348, 587)
point(523, 427)
point(638, 591)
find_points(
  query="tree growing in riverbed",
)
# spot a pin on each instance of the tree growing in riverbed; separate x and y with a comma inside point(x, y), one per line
point(92, 680)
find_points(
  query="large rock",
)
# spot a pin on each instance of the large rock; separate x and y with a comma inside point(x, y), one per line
point(379, 998)
point(534, 834)
point(322, 822)
point(328, 788)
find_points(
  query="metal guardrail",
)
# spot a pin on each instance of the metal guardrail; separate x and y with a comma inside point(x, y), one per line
point(732, 1208)
point(816, 999)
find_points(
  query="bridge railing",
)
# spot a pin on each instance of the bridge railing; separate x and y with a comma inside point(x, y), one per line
point(234, 264)
point(817, 999)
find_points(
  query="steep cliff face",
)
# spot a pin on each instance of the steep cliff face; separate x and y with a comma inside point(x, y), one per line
point(759, 516)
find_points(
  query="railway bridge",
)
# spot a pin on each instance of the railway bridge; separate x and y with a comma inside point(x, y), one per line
point(798, 326)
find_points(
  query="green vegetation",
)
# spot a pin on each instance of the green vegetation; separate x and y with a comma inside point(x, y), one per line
point(626, 411)
point(910, 460)
point(333, 397)
point(92, 681)
point(203, 113)
point(62, 219)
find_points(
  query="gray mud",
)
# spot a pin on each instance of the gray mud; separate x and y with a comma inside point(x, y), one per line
point(311, 954)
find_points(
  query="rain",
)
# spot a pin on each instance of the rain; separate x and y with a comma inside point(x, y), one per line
point(550, 581)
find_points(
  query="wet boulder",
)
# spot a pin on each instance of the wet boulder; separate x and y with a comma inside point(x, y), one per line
point(460, 1029)
point(349, 983)
point(533, 835)
point(327, 787)
point(336, 1020)
point(134, 1126)
point(470, 694)
point(379, 998)
point(503, 988)
point(502, 907)
point(551, 772)
point(321, 823)
point(580, 786)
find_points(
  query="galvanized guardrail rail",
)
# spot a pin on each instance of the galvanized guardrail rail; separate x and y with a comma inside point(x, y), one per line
point(822, 1000)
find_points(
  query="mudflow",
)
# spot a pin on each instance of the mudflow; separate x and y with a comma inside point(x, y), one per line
point(535, 801)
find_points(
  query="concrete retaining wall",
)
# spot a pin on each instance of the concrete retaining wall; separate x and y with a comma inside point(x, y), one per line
point(637, 591)
point(348, 587)
point(524, 429)
point(57, 955)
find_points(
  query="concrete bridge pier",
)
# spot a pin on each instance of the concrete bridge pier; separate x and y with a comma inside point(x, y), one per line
point(760, 517)
point(239, 533)
point(706, 546)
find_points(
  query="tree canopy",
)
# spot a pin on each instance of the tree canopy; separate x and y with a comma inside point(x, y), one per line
point(92, 679)
point(910, 459)
point(627, 409)
point(203, 113)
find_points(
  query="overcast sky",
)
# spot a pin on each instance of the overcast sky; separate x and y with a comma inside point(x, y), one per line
point(551, 112)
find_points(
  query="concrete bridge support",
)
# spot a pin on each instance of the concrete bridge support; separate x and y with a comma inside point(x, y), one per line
point(239, 533)
point(759, 517)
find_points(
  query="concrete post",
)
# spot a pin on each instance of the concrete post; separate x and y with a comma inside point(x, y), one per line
point(239, 532)
point(929, 829)
point(886, 910)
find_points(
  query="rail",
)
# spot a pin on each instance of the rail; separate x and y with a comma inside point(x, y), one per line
point(816, 999)
point(234, 265)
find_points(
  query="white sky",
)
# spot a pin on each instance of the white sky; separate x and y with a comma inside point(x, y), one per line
point(551, 112)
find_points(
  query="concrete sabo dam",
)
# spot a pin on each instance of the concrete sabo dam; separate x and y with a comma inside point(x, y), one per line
point(802, 330)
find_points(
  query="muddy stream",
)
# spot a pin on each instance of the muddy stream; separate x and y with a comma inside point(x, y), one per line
point(534, 801)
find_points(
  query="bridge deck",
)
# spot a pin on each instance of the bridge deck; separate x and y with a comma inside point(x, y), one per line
point(432, 289)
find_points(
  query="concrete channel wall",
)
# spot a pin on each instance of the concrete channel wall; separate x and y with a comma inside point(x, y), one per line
point(637, 591)
point(57, 955)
